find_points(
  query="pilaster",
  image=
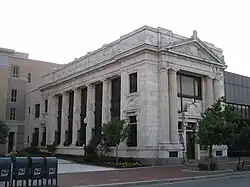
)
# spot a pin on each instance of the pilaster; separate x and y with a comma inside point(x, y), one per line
point(164, 103)
point(173, 110)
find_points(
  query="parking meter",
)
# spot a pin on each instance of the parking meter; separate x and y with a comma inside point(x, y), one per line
point(5, 170)
point(20, 170)
point(51, 169)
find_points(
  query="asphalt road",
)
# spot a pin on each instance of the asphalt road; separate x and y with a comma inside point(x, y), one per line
point(237, 181)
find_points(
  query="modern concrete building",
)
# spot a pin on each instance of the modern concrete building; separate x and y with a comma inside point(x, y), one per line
point(158, 80)
point(18, 75)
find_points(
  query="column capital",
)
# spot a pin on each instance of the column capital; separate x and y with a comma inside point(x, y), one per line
point(173, 68)
point(105, 81)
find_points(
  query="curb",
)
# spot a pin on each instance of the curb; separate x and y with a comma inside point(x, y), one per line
point(163, 181)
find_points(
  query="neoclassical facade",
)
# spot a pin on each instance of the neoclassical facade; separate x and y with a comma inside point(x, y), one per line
point(156, 79)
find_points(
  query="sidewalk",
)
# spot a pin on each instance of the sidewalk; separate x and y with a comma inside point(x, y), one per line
point(126, 175)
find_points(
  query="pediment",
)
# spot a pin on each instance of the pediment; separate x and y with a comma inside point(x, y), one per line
point(195, 49)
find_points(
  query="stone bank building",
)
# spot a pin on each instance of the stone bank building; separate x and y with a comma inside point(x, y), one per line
point(157, 80)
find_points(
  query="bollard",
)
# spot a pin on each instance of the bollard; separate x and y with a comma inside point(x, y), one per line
point(51, 170)
point(20, 171)
point(5, 170)
point(36, 165)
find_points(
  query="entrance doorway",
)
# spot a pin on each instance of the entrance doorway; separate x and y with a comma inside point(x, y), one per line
point(10, 141)
point(190, 142)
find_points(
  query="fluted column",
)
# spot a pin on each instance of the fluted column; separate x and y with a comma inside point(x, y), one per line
point(209, 91)
point(173, 110)
point(216, 87)
point(90, 111)
point(105, 101)
point(76, 115)
point(65, 111)
point(164, 103)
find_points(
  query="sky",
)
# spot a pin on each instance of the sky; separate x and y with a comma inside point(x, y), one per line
point(61, 30)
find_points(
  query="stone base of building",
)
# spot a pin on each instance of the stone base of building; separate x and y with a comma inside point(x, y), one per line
point(68, 150)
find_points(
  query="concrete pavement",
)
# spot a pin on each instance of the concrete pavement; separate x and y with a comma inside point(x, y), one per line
point(239, 181)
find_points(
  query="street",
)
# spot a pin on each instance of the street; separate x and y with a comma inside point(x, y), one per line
point(239, 181)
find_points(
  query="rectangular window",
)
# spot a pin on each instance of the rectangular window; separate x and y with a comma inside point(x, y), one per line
point(29, 109)
point(13, 114)
point(13, 95)
point(15, 71)
point(132, 82)
point(37, 110)
point(132, 137)
point(46, 106)
point(189, 86)
point(29, 77)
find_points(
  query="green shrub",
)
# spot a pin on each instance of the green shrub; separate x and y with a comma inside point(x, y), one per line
point(203, 165)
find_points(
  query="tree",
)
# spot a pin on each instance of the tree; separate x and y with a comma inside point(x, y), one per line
point(216, 126)
point(115, 132)
point(3, 132)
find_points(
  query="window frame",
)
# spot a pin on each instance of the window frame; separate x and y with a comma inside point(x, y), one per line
point(13, 95)
point(15, 71)
point(46, 106)
point(12, 113)
point(133, 85)
point(29, 77)
point(37, 110)
point(195, 79)
point(132, 125)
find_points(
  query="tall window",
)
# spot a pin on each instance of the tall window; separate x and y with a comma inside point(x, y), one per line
point(46, 106)
point(13, 95)
point(13, 114)
point(37, 110)
point(133, 82)
point(189, 86)
point(15, 71)
point(132, 137)
point(29, 77)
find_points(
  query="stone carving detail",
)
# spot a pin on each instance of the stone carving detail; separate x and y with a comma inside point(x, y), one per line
point(192, 107)
point(193, 50)
point(132, 102)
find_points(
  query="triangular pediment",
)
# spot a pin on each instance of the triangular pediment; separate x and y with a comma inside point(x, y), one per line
point(194, 48)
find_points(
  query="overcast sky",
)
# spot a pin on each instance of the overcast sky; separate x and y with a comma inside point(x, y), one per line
point(59, 30)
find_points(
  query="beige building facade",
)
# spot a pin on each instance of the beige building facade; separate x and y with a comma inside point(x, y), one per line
point(18, 76)
point(157, 80)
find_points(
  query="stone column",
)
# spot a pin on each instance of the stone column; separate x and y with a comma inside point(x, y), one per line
point(105, 101)
point(65, 113)
point(164, 104)
point(173, 110)
point(54, 119)
point(209, 91)
point(90, 111)
point(76, 115)
point(216, 87)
